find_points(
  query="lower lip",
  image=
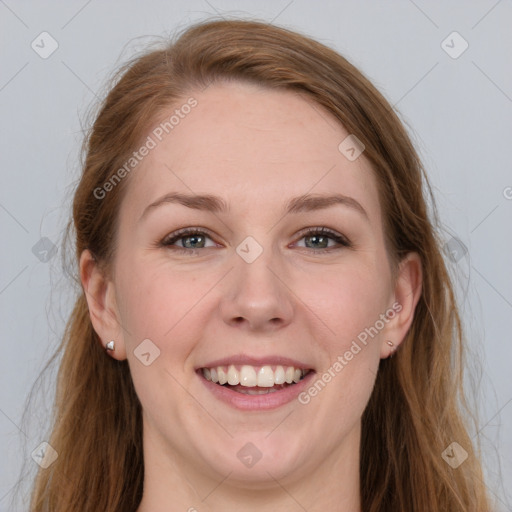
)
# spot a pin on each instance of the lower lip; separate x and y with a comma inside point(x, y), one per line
point(271, 400)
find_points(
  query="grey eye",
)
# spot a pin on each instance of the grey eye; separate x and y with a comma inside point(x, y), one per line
point(193, 241)
point(317, 241)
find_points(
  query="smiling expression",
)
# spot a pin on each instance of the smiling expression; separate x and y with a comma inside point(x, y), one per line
point(247, 238)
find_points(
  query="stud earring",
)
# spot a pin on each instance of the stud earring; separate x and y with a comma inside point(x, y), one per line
point(109, 347)
point(393, 348)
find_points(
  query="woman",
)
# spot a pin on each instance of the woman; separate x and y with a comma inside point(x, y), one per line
point(266, 320)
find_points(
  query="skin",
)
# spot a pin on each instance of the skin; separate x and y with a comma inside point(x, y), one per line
point(256, 149)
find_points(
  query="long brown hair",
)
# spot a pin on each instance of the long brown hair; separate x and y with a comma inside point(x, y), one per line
point(418, 406)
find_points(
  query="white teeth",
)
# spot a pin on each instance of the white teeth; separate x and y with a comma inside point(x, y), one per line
point(279, 377)
point(223, 377)
point(249, 376)
point(233, 376)
point(265, 377)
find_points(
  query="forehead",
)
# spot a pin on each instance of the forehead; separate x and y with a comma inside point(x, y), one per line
point(250, 144)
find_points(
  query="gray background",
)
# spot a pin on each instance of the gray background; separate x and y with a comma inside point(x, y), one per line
point(458, 111)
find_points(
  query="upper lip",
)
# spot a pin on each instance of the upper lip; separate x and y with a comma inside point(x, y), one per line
point(241, 359)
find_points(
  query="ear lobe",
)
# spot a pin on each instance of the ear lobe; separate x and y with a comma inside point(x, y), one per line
point(100, 296)
point(407, 294)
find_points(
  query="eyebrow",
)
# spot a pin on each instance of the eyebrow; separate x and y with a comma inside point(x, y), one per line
point(215, 204)
point(204, 202)
point(309, 202)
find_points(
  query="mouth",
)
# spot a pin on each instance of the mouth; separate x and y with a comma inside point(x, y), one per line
point(255, 387)
point(254, 380)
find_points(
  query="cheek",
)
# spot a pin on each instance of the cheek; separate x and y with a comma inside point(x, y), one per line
point(350, 302)
point(347, 300)
point(157, 302)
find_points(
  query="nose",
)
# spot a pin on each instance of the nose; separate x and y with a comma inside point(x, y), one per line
point(256, 297)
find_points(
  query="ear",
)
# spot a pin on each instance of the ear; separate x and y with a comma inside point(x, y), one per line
point(407, 293)
point(100, 294)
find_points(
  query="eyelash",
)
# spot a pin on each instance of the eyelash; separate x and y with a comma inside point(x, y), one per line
point(172, 238)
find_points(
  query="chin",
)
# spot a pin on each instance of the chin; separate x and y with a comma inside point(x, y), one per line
point(257, 460)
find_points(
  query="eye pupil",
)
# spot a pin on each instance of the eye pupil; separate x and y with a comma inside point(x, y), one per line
point(191, 241)
point(317, 241)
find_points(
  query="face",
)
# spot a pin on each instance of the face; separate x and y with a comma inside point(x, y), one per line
point(282, 264)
